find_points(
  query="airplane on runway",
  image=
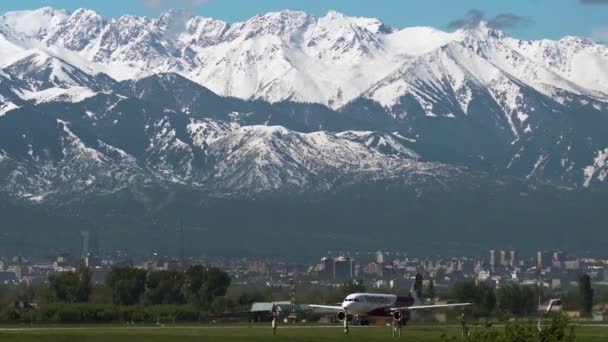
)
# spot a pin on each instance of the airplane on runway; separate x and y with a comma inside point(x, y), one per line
point(361, 305)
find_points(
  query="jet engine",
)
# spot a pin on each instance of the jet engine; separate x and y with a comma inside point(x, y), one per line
point(397, 316)
point(341, 315)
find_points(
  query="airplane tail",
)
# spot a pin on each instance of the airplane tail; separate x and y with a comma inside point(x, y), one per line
point(416, 291)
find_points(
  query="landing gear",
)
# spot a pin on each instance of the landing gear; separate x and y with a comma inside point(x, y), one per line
point(463, 324)
point(399, 320)
point(274, 320)
point(346, 325)
point(396, 328)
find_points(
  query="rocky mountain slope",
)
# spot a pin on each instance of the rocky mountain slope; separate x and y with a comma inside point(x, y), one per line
point(290, 102)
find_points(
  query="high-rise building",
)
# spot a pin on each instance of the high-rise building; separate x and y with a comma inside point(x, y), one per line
point(492, 257)
point(343, 268)
point(543, 259)
point(373, 269)
point(559, 256)
point(380, 257)
point(327, 268)
point(513, 258)
point(503, 259)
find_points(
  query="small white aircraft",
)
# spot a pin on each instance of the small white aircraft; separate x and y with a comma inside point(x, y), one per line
point(362, 305)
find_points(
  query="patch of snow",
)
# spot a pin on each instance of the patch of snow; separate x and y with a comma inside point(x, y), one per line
point(6, 107)
point(522, 116)
point(538, 165)
point(37, 199)
point(515, 157)
point(599, 168)
point(74, 94)
point(73, 147)
point(398, 135)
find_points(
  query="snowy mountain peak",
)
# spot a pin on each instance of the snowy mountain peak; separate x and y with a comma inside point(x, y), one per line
point(34, 23)
point(333, 14)
point(291, 55)
point(174, 17)
point(77, 31)
point(481, 31)
point(336, 19)
point(174, 22)
point(281, 24)
point(45, 67)
point(84, 13)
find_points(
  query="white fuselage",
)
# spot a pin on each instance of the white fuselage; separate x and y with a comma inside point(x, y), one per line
point(366, 303)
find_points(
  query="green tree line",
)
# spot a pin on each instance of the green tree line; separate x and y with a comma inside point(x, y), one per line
point(514, 300)
point(134, 295)
point(129, 294)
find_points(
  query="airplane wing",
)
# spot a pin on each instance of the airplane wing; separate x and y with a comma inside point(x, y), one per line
point(424, 307)
point(328, 307)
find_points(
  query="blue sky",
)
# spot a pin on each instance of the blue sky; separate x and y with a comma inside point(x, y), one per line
point(528, 18)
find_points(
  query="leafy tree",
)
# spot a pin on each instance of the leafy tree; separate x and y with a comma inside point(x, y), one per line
point(331, 296)
point(202, 285)
point(5, 295)
point(246, 298)
point(586, 294)
point(193, 284)
point(164, 287)
point(517, 300)
point(70, 287)
point(481, 295)
point(431, 290)
point(127, 285)
point(325, 296)
point(101, 294)
point(219, 305)
point(216, 283)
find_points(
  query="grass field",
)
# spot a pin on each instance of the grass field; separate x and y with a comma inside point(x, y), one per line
point(233, 334)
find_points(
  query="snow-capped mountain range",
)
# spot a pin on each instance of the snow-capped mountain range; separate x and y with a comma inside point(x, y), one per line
point(290, 101)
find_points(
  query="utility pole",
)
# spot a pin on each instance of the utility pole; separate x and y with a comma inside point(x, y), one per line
point(463, 323)
point(292, 294)
point(182, 253)
point(540, 313)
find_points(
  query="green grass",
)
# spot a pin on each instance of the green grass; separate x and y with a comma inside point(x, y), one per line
point(250, 334)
